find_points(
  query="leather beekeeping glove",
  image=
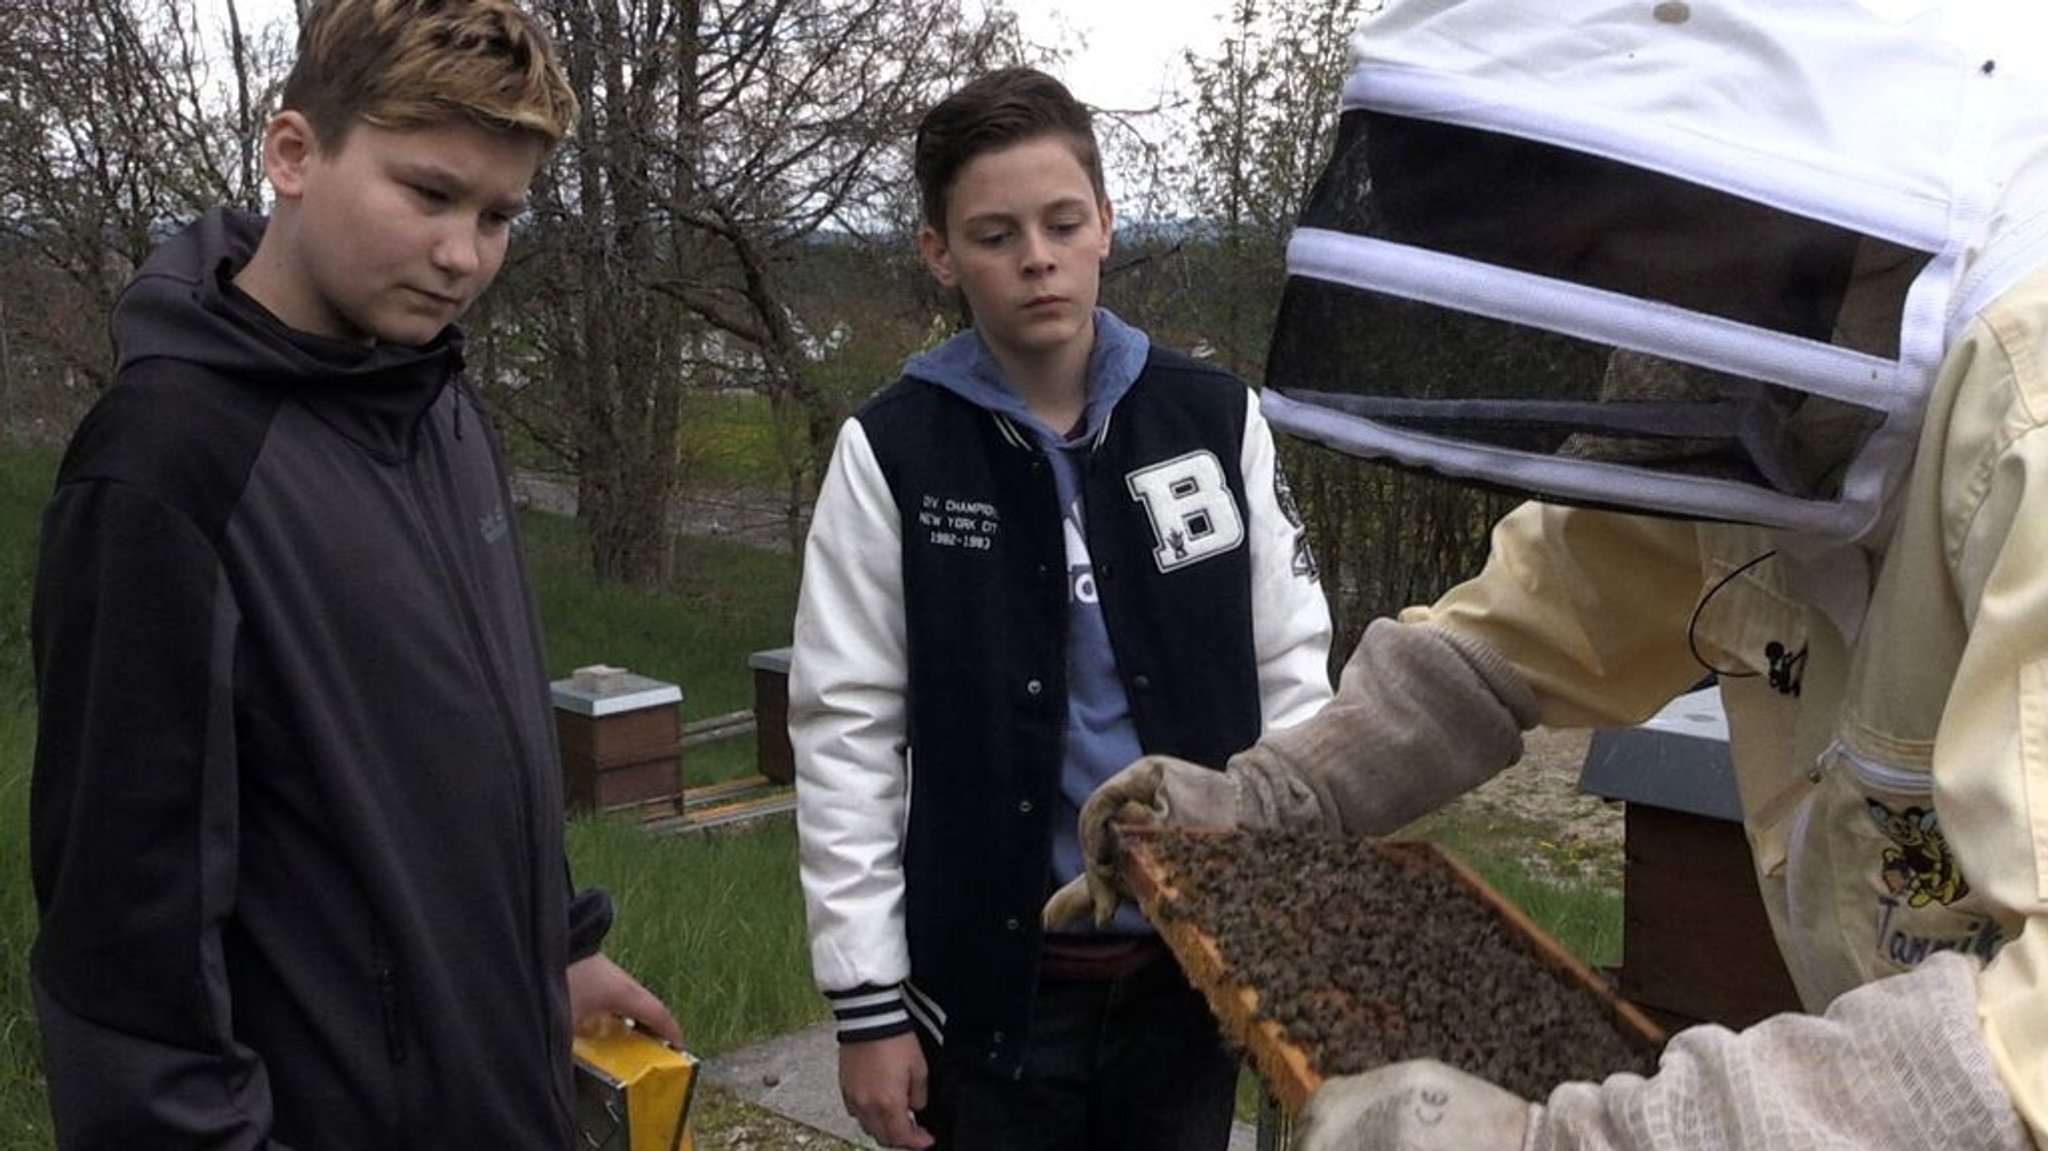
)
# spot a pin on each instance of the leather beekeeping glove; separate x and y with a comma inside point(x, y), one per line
point(1421, 716)
point(1158, 790)
point(1420, 1105)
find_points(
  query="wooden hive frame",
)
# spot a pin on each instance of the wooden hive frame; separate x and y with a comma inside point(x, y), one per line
point(1284, 1067)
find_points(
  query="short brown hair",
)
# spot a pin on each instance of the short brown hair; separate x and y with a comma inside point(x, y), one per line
point(401, 64)
point(1000, 109)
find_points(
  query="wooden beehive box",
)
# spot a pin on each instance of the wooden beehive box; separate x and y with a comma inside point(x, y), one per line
point(1697, 945)
point(772, 751)
point(1324, 956)
point(620, 739)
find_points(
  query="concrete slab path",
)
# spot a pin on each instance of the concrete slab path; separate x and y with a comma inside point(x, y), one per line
point(797, 1077)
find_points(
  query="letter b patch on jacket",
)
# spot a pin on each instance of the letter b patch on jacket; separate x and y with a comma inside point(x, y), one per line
point(1188, 501)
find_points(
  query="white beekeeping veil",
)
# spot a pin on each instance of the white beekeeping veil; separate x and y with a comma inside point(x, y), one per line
point(1700, 258)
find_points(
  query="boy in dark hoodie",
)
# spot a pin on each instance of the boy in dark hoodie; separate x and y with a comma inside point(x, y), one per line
point(1049, 548)
point(296, 815)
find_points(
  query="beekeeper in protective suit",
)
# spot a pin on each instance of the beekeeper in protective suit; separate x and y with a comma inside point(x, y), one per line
point(1776, 274)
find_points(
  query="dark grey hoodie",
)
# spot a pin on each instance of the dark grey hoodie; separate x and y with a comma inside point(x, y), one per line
point(296, 822)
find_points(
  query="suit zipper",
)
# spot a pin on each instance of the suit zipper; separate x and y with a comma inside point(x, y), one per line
point(1882, 776)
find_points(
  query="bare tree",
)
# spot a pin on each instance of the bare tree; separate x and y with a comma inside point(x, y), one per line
point(1262, 125)
point(721, 141)
point(115, 126)
point(1265, 112)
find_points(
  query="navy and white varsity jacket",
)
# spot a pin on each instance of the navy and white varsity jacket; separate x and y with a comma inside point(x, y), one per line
point(928, 689)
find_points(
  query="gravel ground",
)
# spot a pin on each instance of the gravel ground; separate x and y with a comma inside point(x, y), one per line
point(1575, 837)
point(723, 1122)
point(1544, 788)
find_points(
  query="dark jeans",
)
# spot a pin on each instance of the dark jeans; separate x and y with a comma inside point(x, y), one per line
point(1129, 1064)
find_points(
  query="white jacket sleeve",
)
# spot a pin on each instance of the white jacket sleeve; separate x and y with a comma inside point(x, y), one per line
point(1895, 1065)
point(1290, 617)
point(847, 707)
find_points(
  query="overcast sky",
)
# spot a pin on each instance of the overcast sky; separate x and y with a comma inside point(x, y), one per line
point(1123, 52)
point(1133, 48)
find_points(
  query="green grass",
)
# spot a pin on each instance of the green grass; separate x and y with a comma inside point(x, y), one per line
point(725, 602)
point(730, 440)
point(711, 921)
point(1573, 897)
point(24, 1118)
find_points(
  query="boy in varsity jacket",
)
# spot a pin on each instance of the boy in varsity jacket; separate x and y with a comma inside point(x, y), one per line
point(1049, 548)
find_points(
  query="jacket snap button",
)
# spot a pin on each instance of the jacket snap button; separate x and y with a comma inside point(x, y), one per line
point(1141, 682)
point(1024, 807)
point(1033, 687)
point(1012, 923)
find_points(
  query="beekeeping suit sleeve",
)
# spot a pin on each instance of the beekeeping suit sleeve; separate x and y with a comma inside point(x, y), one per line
point(1421, 715)
point(1896, 1065)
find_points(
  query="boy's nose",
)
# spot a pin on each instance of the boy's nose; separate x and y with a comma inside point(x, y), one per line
point(1038, 257)
point(457, 250)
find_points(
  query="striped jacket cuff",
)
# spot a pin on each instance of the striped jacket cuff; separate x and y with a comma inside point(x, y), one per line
point(869, 1012)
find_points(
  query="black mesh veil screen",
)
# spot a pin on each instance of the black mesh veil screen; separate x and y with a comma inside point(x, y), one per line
point(1505, 385)
point(1492, 375)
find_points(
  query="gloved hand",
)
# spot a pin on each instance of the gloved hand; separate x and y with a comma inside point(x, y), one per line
point(1901, 1064)
point(1420, 717)
point(1421, 1105)
point(1155, 789)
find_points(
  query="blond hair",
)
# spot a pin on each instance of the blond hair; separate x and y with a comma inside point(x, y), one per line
point(400, 64)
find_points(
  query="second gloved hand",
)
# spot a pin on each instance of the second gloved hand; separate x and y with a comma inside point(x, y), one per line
point(1421, 1105)
point(1155, 789)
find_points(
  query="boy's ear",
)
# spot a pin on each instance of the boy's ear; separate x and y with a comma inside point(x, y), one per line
point(289, 146)
point(937, 256)
point(1108, 225)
